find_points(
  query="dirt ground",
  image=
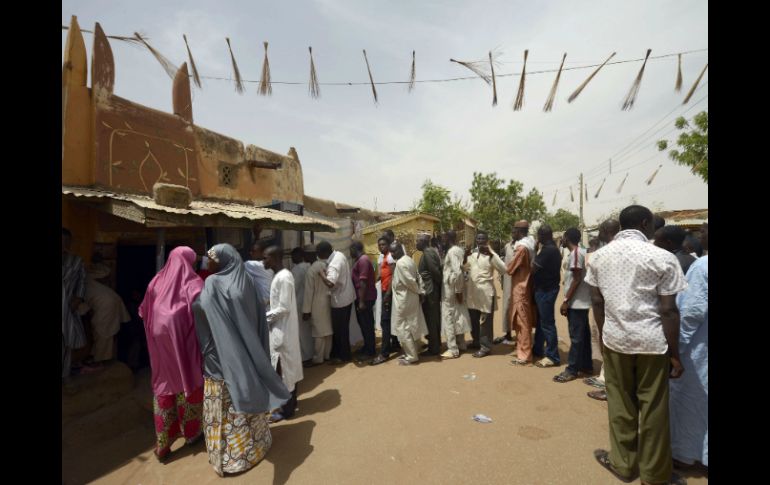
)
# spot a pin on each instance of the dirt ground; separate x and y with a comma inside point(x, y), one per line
point(384, 424)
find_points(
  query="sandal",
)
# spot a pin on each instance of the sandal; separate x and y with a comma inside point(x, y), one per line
point(598, 395)
point(545, 362)
point(520, 362)
point(595, 382)
point(564, 377)
point(603, 457)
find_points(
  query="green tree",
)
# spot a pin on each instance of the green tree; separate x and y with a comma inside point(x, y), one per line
point(497, 205)
point(436, 201)
point(562, 220)
point(693, 145)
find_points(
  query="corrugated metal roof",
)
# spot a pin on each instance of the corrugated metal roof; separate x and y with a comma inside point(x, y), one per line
point(397, 221)
point(208, 213)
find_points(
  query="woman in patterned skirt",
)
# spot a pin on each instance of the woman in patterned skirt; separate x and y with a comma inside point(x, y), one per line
point(175, 357)
point(240, 383)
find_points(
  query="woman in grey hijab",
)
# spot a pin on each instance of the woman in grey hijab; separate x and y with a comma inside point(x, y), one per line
point(240, 384)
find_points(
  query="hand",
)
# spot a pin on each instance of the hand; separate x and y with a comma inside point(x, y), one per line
point(676, 368)
point(563, 309)
point(459, 298)
point(306, 316)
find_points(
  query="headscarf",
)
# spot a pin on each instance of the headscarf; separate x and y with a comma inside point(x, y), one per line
point(238, 326)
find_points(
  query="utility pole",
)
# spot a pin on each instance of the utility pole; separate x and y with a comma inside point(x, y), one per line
point(582, 221)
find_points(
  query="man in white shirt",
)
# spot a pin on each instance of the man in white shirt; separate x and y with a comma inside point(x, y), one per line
point(260, 276)
point(481, 292)
point(339, 280)
point(634, 286)
point(577, 301)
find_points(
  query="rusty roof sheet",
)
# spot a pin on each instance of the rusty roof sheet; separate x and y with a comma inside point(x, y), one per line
point(209, 213)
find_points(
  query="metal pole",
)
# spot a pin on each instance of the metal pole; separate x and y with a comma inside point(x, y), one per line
point(160, 249)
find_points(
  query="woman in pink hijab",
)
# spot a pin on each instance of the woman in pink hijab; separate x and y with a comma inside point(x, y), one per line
point(175, 357)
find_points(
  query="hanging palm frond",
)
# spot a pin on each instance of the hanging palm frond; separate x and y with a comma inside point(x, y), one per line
point(678, 86)
point(167, 65)
point(652, 177)
point(598, 191)
point(494, 81)
point(622, 183)
point(196, 77)
point(697, 81)
point(313, 87)
point(236, 72)
point(412, 73)
point(371, 79)
point(580, 88)
point(628, 103)
point(552, 96)
point(519, 102)
point(265, 88)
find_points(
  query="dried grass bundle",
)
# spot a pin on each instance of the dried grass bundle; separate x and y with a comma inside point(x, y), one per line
point(313, 87)
point(552, 96)
point(494, 81)
point(553, 202)
point(694, 86)
point(371, 79)
point(167, 65)
point(678, 86)
point(622, 183)
point(580, 88)
point(265, 88)
point(236, 72)
point(598, 191)
point(196, 76)
point(412, 73)
point(517, 105)
point(480, 67)
point(628, 103)
point(652, 177)
point(571, 195)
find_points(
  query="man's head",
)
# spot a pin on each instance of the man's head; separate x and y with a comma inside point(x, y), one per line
point(692, 245)
point(658, 222)
point(356, 249)
point(572, 237)
point(520, 230)
point(544, 234)
point(608, 230)
point(257, 252)
point(450, 238)
point(383, 245)
point(324, 249)
point(396, 249)
point(423, 241)
point(273, 258)
point(66, 239)
point(309, 253)
point(388, 233)
point(482, 239)
point(637, 217)
point(593, 244)
point(704, 236)
point(297, 255)
point(670, 238)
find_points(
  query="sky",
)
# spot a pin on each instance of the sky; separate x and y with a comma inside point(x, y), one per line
point(378, 155)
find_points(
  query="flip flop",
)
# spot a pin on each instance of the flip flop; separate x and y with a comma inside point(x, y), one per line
point(545, 362)
point(594, 382)
point(564, 377)
point(520, 362)
point(598, 395)
point(603, 458)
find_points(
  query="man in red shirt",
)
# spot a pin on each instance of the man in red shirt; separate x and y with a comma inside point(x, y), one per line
point(366, 295)
point(386, 275)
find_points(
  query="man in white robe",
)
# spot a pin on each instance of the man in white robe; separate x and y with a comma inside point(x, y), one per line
point(455, 322)
point(407, 318)
point(284, 329)
point(317, 311)
point(299, 271)
point(261, 276)
point(107, 313)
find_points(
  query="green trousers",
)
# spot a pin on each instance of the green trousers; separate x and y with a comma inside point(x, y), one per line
point(637, 401)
